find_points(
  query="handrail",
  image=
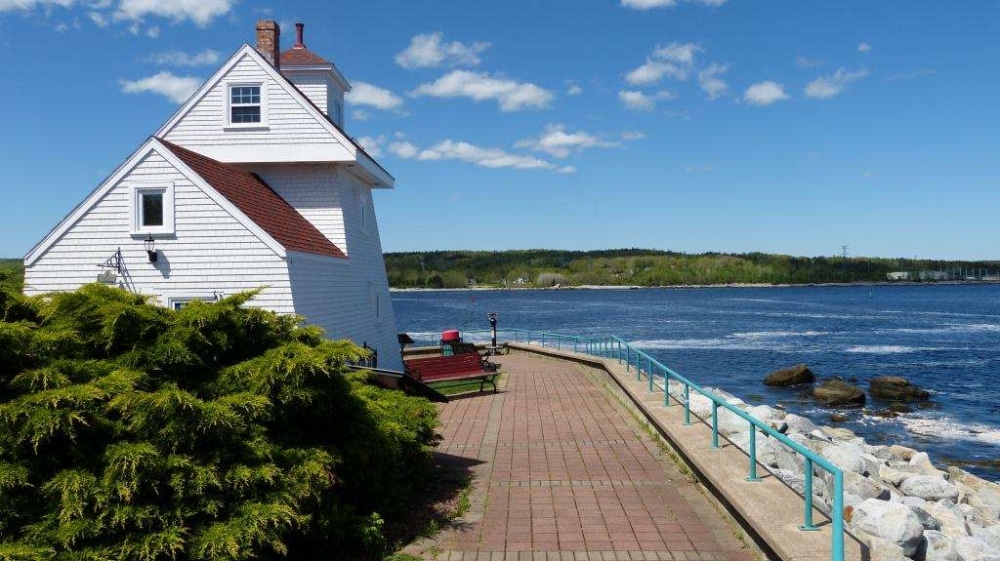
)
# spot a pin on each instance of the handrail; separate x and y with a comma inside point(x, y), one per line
point(619, 349)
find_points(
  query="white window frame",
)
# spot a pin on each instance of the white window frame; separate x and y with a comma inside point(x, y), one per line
point(172, 299)
point(338, 112)
point(363, 205)
point(135, 204)
point(228, 117)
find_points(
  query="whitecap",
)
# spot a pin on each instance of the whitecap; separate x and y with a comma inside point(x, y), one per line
point(777, 334)
point(883, 349)
point(949, 428)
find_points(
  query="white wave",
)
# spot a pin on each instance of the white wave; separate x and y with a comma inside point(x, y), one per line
point(674, 344)
point(883, 349)
point(949, 428)
point(777, 334)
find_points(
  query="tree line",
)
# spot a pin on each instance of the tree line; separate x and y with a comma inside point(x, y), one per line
point(643, 267)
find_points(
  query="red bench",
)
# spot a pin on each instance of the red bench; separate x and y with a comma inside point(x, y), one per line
point(466, 366)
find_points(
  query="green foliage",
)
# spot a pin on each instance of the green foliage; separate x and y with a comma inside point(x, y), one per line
point(642, 267)
point(220, 431)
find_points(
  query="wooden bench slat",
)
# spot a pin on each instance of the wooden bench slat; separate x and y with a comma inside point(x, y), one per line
point(469, 366)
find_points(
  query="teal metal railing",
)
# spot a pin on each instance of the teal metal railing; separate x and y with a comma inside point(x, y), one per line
point(652, 369)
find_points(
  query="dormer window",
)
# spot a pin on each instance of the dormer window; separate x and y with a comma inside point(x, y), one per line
point(247, 105)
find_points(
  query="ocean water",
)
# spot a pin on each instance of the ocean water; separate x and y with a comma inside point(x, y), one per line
point(945, 339)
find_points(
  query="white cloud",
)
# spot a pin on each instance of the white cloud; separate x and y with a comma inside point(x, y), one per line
point(650, 4)
point(206, 57)
point(201, 12)
point(28, 5)
point(911, 75)
point(698, 169)
point(511, 95)
point(710, 82)
point(864, 47)
point(633, 135)
point(574, 89)
point(674, 61)
point(368, 95)
point(765, 93)
point(404, 150)
point(826, 87)
point(803, 62)
point(638, 101)
point(372, 144)
point(566, 170)
point(153, 32)
point(867, 175)
point(175, 88)
point(559, 143)
point(360, 115)
point(466, 152)
point(430, 51)
point(99, 19)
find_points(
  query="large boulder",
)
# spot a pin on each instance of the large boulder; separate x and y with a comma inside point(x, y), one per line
point(896, 388)
point(939, 547)
point(838, 393)
point(894, 522)
point(929, 488)
point(975, 549)
point(950, 519)
point(791, 376)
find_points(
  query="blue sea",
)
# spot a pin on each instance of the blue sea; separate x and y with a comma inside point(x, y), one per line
point(944, 338)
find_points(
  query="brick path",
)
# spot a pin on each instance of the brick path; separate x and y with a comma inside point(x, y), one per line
point(564, 472)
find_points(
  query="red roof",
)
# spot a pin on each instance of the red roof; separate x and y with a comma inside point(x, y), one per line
point(301, 56)
point(260, 203)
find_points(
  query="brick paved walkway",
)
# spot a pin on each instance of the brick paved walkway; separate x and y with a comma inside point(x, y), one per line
point(564, 472)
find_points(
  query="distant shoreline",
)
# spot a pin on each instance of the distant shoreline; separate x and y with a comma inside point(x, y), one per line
point(707, 286)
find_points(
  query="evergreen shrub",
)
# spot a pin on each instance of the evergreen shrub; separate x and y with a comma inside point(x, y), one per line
point(218, 431)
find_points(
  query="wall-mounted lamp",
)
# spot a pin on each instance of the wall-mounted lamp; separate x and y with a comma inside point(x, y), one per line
point(150, 244)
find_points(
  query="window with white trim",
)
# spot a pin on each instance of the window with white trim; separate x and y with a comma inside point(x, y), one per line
point(152, 209)
point(246, 105)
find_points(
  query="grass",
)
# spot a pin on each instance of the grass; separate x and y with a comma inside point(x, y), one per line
point(461, 386)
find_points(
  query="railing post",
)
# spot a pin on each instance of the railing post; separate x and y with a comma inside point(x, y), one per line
point(753, 454)
point(687, 404)
point(715, 424)
point(666, 388)
point(837, 553)
point(649, 373)
point(807, 523)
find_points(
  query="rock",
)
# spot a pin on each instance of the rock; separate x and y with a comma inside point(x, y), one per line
point(985, 492)
point(990, 535)
point(863, 487)
point(951, 519)
point(838, 393)
point(839, 418)
point(898, 408)
point(840, 434)
point(896, 388)
point(938, 547)
point(767, 414)
point(926, 520)
point(902, 452)
point(913, 502)
point(846, 457)
point(969, 548)
point(792, 376)
point(922, 462)
point(884, 550)
point(890, 521)
point(799, 424)
point(929, 488)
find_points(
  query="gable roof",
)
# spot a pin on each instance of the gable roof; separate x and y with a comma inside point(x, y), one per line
point(243, 195)
point(363, 158)
point(255, 198)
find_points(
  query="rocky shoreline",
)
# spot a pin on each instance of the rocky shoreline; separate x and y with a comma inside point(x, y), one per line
point(895, 499)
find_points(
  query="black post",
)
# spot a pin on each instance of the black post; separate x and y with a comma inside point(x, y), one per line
point(493, 329)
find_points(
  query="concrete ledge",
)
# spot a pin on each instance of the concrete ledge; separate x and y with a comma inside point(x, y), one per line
point(769, 509)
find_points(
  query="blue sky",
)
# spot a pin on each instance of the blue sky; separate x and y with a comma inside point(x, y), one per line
point(691, 125)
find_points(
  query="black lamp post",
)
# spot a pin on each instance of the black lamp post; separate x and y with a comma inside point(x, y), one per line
point(150, 245)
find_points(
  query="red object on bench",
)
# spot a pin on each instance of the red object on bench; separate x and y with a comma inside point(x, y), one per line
point(467, 366)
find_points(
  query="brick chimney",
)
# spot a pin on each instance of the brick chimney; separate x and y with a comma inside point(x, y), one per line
point(269, 41)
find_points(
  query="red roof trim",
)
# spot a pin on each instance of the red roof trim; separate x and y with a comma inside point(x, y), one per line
point(255, 198)
point(301, 56)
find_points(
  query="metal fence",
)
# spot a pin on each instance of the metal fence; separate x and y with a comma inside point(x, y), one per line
point(646, 366)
